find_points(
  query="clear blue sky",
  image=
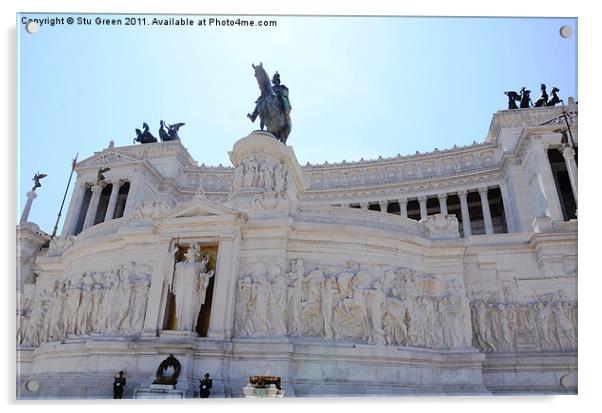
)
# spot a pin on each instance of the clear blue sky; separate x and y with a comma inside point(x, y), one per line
point(360, 87)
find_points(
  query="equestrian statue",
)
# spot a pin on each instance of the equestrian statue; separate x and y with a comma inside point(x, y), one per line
point(272, 106)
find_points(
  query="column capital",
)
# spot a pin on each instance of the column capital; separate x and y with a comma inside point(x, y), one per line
point(422, 198)
point(483, 190)
point(32, 195)
point(463, 193)
point(567, 151)
point(98, 186)
point(442, 196)
point(402, 201)
point(364, 205)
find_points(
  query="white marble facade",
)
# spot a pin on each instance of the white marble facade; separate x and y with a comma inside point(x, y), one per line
point(319, 275)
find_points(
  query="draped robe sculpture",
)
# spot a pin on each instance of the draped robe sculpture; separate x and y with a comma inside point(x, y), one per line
point(189, 286)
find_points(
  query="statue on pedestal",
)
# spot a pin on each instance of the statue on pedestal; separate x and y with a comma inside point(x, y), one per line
point(190, 286)
point(273, 106)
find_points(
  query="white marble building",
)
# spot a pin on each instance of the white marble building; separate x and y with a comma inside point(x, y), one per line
point(450, 272)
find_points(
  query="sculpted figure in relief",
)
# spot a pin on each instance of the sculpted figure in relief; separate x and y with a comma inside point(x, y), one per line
point(295, 299)
point(85, 306)
point(38, 314)
point(109, 302)
point(312, 314)
point(74, 293)
point(23, 318)
point(543, 313)
point(277, 307)
point(52, 326)
point(434, 330)
point(120, 311)
point(565, 332)
point(97, 315)
point(237, 181)
point(482, 327)
point(262, 292)
point(139, 284)
point(394, 320)
point(279, 179)
point(375, 300)
point(328, 292)
point(250, 177)
point(245, 308)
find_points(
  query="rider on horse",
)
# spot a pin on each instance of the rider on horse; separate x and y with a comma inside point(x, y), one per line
point(282, 92)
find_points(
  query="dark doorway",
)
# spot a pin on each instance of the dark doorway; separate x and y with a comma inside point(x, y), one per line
point(121, 200)
point(432, 206)
point(103, 203)
point(496, 207)
point(414, 209)
point(563, 184)
point(453, 207)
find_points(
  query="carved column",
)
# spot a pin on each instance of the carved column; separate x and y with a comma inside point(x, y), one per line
point(74, 209)
point(403, 207)
point(571, 166)
point(486, 211)
point(363, 205)
point(383, 206)
point(547, 186)
point(31, 195)
point(113, 201)
point(91, 213)
point(422, 201)
point(157, 293)
point(510, 219)
point(465, 214)
point(443, 203)
point(132, 199)
point(225, 285)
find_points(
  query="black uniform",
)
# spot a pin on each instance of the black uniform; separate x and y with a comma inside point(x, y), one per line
point(118, 386)
point(205, 387)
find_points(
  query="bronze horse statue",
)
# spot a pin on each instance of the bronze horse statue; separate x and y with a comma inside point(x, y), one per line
point(269, 106)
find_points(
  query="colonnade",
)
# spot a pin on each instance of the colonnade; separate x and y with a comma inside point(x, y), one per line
point(443, 207)
point(87, 200)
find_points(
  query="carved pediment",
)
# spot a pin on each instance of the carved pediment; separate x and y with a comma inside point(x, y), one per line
point(198, 207)
point(107, 157)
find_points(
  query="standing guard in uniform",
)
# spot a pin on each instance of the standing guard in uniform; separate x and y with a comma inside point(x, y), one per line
point(118, 386)
point(205, 387)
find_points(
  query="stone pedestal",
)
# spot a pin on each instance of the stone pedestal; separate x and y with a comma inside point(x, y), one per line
point(252, 392)
point(159, 391)
point(267, 177)
point(440, 226)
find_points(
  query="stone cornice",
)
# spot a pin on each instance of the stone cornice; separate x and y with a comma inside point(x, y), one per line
point(412, 189)
point(524, 117)
point(133, 153)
